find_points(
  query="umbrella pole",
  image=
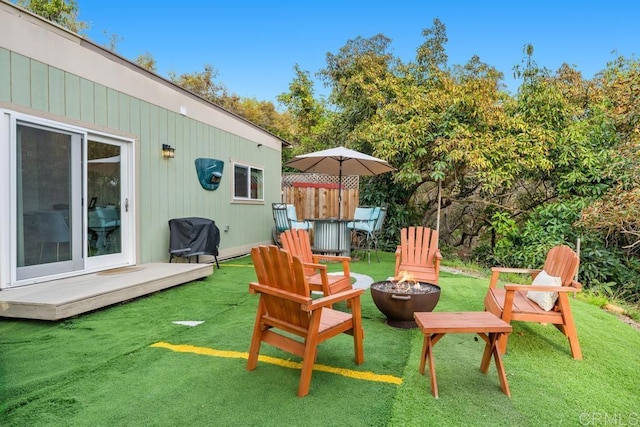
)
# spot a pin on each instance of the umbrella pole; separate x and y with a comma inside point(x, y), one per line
point(340, 191)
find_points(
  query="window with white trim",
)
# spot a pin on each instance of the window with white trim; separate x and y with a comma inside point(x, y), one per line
point(248, 182)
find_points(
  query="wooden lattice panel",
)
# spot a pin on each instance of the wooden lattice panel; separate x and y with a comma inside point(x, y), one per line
point(348, 182)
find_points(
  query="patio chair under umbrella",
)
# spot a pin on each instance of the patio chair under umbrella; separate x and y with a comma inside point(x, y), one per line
point(340, 161)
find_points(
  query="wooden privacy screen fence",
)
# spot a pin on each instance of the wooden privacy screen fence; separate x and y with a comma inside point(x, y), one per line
point(316, 195)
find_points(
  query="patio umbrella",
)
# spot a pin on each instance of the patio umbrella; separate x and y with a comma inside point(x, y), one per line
point(340, 161)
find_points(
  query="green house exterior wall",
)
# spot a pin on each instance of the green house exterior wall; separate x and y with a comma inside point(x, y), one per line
point(165, 188)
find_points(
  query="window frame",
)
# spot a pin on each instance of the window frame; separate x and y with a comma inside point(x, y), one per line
point(250, 172)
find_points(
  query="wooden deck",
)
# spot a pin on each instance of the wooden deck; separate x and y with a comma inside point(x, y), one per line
point(59, 299)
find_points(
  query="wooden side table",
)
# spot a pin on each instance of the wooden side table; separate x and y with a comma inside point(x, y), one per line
point(489, 327)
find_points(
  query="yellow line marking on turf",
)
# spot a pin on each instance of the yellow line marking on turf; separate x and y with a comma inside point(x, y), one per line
point(361, 375)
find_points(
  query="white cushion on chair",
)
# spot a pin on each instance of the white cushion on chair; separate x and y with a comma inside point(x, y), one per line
point(546, 300)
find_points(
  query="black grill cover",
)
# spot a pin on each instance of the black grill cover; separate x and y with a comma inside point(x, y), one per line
point(193, 236)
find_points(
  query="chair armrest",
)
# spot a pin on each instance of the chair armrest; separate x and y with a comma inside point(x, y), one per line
point(255, 287)
point(324, 278)
point(436, 264)
point(345, 260)
point(329, 300)
point(336, 258)
point(495, 273)
point(515, 270)
point(315, 265)
point(511, 287)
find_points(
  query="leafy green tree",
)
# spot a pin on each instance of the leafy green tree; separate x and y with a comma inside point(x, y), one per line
point(360, 77)
point(261, 113)
point(451, 125)
point(62, 12)
point(436, 125)
point(590, 192)
point(617, 213)
point(203, 83)
point(307, 115)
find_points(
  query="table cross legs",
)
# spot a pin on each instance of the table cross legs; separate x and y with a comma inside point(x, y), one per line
point(436, 325)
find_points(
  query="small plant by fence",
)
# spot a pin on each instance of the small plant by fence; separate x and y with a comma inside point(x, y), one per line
point(316, 195)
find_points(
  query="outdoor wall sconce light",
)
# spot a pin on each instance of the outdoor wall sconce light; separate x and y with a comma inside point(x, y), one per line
point(167, 151)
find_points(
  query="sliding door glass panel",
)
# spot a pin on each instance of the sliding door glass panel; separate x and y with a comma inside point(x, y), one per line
point(104, 192)
point(49, 218)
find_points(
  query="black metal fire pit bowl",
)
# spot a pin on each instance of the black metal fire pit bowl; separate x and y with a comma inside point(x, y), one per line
point(399, 303)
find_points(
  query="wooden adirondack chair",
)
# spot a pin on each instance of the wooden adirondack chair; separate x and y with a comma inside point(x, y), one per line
point(418, 254)
point(298, 243)
point(511, 302)
point(286, 309)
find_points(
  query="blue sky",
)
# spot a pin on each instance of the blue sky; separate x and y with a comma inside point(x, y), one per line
point(254, 45)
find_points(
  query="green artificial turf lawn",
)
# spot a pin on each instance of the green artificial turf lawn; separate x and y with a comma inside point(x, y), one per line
point(100, 368)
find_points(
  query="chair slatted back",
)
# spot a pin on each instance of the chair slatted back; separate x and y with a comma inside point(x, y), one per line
point(298, 243)
point(562, 262)
point(276, 268)
point(418, 245)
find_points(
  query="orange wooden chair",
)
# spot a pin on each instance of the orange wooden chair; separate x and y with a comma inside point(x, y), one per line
point(514, 302)
point(298, 243)
point(286, 309)
point(418, 254)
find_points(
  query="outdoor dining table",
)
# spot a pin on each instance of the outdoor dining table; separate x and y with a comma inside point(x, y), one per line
point(331, 236)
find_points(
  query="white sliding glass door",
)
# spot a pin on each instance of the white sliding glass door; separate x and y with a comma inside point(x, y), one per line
point(71, 194)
